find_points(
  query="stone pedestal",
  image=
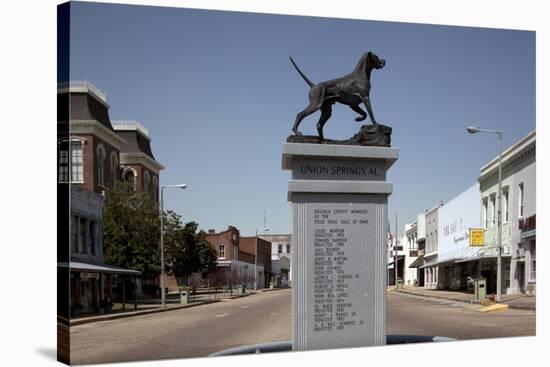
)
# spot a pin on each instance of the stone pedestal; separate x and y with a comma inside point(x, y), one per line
point(339, 196)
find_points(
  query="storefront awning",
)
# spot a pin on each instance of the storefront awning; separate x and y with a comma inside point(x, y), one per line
point(97, 268)
point(528, 234)
point(417, 262)
point(436, 263)
point(399, 258)
point(480, 253)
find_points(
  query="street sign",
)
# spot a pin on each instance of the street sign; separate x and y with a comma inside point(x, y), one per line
point(477, 237)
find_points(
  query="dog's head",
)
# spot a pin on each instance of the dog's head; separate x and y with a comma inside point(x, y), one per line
point(375, 61)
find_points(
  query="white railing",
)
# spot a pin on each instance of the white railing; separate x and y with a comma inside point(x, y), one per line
point(129, 125)
point(84, 86)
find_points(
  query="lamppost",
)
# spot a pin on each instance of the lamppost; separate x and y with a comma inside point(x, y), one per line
point(396, 258)
point(162, 288)
point(474, 130)
point(256, 260)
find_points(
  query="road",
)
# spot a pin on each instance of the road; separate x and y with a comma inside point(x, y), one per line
point(193, 332)
point(264, 317)
point(412, 315)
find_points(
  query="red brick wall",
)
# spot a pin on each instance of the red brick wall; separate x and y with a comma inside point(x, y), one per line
point(229, 238)
point(91, 179)
point(248, 245)
point(246, 257)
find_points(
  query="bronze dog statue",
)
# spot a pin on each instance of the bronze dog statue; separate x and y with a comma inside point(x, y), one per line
point(352, 90)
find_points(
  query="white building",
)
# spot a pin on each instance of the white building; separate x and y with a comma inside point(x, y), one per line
point(395, 250)
point(410, 250)
point(281, 255)
point(431, 269)
point(518, 246)
point(455, 256)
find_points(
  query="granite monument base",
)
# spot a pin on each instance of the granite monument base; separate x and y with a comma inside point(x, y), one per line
point(339, 196)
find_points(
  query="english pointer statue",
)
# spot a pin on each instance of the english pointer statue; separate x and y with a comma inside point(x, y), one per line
point(352, 90)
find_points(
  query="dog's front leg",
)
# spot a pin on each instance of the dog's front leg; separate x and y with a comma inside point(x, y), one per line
point(366, 101)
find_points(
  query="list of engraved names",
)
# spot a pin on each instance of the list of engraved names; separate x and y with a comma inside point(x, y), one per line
point(334, 275)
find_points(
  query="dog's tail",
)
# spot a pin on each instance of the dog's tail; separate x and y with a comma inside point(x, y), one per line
point(311, 84)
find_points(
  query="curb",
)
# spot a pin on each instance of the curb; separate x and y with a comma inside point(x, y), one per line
point(493, 308)
point(475, 302)
point(135, 313)
point(512, 307)
point(274, 289)
point(236, 297)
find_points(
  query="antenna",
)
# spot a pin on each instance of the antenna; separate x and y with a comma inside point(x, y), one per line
point(265, 224)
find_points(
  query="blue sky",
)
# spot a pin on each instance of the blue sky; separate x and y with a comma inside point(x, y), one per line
point(219, 96)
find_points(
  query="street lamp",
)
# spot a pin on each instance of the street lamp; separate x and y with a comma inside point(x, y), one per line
point(162, 290)
point(256, 260)
point(395, 259)
point(474, 130)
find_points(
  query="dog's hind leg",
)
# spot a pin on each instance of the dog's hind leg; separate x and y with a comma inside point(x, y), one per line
point(359, 111)
point(315, 98)
point(326, 112)
point(301, 115)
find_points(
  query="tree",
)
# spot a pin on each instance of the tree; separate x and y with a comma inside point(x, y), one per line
point(131, 231)
point(207, 254)
point(187, 251)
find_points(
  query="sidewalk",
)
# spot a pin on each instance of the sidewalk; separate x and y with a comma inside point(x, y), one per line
point(514, 301)
point(153, 306)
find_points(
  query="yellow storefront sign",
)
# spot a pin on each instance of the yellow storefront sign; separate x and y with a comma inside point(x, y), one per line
point(477, 237)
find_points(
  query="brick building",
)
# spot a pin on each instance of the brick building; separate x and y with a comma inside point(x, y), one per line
point(260, 249)
point(137, 162)
point(89, 163)
point(237, 257)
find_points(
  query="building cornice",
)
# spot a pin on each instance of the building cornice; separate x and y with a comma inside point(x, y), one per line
point(141, 158)
point(130, 125)
point(96, 128)
point(83, 86)
point(509, 155)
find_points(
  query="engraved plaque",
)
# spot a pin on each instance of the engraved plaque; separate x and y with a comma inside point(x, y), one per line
point(339, 197)
point(341, 252)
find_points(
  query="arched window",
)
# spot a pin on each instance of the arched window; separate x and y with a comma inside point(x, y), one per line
point(114, 168)
point(155, 188)
point(146, 181)
point(100, 159)
point(129, 175)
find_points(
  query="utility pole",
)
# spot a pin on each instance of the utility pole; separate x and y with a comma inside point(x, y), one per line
point(395, 251)
point(474, 130)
